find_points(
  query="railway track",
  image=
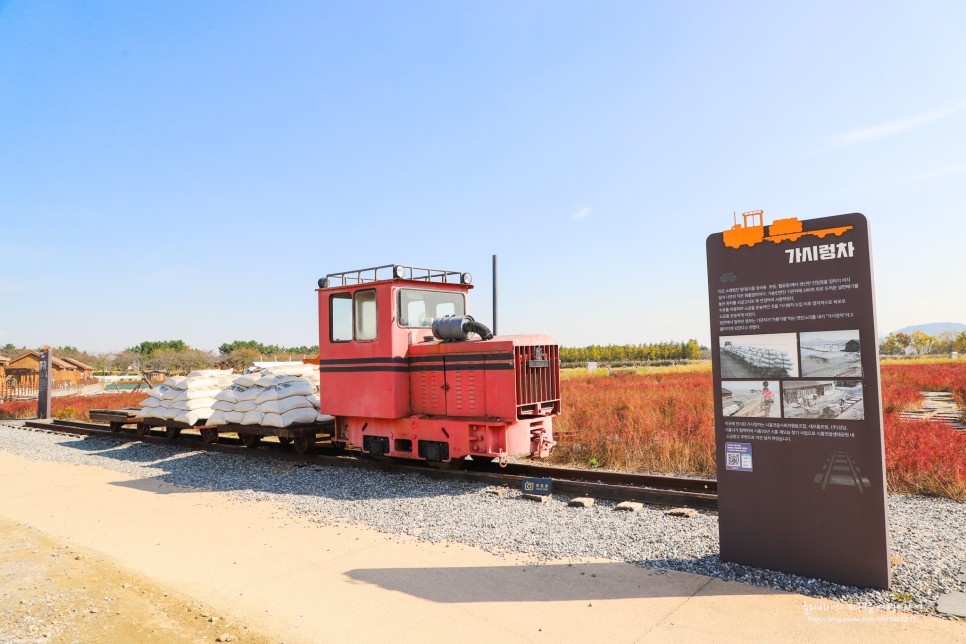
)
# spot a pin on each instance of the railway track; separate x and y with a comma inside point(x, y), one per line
point(617, 486)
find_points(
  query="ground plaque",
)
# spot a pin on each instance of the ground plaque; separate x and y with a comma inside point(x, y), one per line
point(798, 420)
point(44, 384)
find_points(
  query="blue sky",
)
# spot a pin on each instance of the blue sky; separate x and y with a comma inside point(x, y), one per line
point(189, 169)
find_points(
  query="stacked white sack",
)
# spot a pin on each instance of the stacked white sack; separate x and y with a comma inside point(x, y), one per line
point(275, 397)
point(186, 399)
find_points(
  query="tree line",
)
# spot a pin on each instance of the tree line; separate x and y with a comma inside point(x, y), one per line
point(922, 343)
point(631, 353)
point(176, 356)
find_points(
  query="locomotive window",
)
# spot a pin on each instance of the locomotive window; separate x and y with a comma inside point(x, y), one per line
point(340, 317)
point(418, 308)
point(365, 315)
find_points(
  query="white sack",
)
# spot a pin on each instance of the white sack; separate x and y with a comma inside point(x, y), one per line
point(245, 406)
point(150, 402)
point(252, 393)
point(253, 418)
point(192, 417)
point(297, 416)
point(314, 400)
point(234, 417)
point(158, 392)
point(271, 381)
point(194, 403)
point(272, 420)
point(298, 388)
point(230, 393)
point(223, 405)
point(247, 379)
point(284, 405)
point(217, 418)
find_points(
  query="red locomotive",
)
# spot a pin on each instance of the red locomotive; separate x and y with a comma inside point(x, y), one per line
point(403, 378)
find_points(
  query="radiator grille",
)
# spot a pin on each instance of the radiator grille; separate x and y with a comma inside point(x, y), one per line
point(538, 386)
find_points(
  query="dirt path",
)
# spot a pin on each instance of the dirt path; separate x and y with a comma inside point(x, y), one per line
point(52, 592)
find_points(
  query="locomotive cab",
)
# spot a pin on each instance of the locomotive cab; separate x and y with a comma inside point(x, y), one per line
point(408, 374)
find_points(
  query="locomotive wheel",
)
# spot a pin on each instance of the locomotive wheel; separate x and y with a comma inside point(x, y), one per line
point(172, 432)
point(209, 435)
point(250, 441)
point(143, 429)
point(284, 440)
point(303, 444)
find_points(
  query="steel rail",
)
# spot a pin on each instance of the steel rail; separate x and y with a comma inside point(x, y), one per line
point(616, 486)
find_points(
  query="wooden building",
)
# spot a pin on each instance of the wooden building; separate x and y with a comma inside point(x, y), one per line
point(3, 367)
point(852, 346)
point(26, 368)
point(87, 371)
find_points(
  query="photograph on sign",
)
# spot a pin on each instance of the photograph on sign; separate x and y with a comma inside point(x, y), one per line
point(773, 355)
point(831, 354)
point(751, 398)
point(838, 399)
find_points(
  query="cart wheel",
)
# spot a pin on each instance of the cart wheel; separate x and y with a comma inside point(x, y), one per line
point(284, 440)
point(172, 432)
point(482, 459)
point(303, 444)
point(338, 446)
point(250, 440)
point(115, 427)
point(209, 435)
point(143, 429)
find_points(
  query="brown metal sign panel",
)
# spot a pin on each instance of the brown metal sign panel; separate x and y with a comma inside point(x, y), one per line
point(798, 408)
point(45, 384)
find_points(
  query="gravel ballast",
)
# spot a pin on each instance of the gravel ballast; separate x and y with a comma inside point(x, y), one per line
point(928, 535)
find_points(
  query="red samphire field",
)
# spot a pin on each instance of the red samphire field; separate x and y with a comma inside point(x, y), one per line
point(664, 423)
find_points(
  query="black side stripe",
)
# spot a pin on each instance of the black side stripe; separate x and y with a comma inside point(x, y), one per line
point(388, 368)
point(462, 356)
point(363, 360)
point(429, 367)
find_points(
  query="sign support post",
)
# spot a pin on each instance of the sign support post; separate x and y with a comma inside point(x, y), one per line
point(44, 385)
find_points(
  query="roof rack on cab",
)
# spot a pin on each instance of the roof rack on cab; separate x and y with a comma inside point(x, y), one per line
point(394, 272)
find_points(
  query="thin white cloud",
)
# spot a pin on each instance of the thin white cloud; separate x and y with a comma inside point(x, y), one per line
point(952, 170)
point(582, 213)
point(882, 130)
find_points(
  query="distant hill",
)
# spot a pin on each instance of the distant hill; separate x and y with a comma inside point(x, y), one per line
point(934, 328)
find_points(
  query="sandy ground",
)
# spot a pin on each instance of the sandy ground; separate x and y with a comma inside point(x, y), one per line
point(187, 552)
point(54, 592)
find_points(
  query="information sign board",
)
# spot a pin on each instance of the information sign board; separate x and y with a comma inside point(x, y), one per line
point(798, 420)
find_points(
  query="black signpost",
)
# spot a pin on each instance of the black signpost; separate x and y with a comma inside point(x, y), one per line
point(45, 384)
point(798, 420)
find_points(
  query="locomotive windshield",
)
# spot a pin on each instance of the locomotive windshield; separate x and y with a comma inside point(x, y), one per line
point(418, 308)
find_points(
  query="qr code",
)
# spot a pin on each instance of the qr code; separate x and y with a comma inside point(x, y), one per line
point(734, 460)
